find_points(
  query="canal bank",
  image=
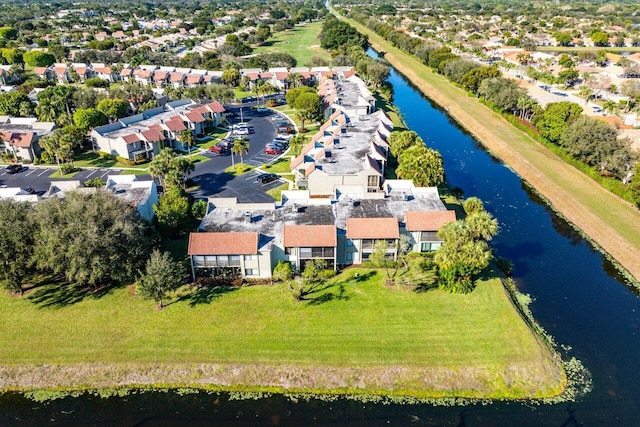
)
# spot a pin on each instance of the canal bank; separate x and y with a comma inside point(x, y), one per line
point(612, 223)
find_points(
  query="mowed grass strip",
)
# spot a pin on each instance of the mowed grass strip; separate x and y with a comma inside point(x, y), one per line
point(355, 322)
point(301, 42)
point(610, 221)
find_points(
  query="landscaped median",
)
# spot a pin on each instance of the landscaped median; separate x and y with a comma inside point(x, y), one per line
point(609, 221)
point(356, 336)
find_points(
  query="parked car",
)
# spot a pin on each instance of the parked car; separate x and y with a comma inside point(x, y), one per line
point(262, 110)
point(219, 148)
point(272, 150)
point(11, 169)
point(266, 178)
point(241, 131)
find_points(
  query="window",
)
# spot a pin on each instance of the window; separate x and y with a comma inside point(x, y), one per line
point(430, 246)
point(305, 253)
point(429, 236)
point(251, 257)
point(250, 271)
point(372, 181)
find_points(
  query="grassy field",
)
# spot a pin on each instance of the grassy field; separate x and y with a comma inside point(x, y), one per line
point(302, 43)
point(607, 219)
point(425, 344)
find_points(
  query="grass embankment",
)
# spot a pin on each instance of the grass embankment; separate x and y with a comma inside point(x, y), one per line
point(302, 43)
point(355, 335)
point(608, 220)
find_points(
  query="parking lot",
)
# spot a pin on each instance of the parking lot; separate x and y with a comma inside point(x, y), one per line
point(209, 175)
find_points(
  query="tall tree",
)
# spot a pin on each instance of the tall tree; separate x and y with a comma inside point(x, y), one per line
point(187, 138)
point(172, 210)
point(91, 239)
point(241, 146)
point(422, 165)
point(16, 244)
point(162, 274)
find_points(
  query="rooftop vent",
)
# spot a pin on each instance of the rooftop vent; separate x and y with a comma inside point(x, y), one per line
point(247, 216)
point(356, 203)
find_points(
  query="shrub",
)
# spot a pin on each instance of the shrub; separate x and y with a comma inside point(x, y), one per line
point(95, 182)
point(67, 168)
point(199, 209)
point(106, 156)
point(125, 161)
point(282, 271)
point(97, 82)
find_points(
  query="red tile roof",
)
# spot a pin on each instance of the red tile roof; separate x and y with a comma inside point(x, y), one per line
point(309, 169)
point(193, 78)
point(131, 138)
point(310, 146)
point(194, 117)
point(81, 70)
point(348, 74)
point(126, 72)
point(22, 140)
point(176, 77)
point(152, 135)
point(309, 236)
point(143, 74)
point(234, 243)
point(372, 228)
point(40, 70)
point(60, 70)
point(253, 76)
point(281, 75)
point(201, 110)
point(175, 125)
point(160, 75)
point(428, 220)
point(216, 107)
point(102, 70)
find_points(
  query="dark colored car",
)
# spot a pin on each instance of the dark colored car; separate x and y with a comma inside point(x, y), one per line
point(11, 169)
point(266, 178)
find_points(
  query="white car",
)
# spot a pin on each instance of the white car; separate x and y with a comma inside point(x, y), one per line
point(241, 131)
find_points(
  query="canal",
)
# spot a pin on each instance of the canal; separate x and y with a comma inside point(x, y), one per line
point(578, 297)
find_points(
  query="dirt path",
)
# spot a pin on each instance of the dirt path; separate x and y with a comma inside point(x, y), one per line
point(610, 221)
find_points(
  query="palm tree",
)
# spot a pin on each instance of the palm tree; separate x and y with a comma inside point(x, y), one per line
point(240, 146)
point(161, 164)
point(296, 144)
point(610, 106)
point(187, 138)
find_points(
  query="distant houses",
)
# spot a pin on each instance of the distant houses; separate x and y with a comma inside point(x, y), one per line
point(19, 136)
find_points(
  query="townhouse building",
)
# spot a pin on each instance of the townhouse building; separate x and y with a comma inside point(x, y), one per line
point(143, 135)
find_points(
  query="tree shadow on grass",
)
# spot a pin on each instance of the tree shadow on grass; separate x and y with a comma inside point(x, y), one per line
point(205, 295)
point(336, 291)
point(54, 293)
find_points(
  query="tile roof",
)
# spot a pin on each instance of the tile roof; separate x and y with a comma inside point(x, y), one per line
point(176, 77)
point(229, 243)
point(102, 70)
point(175, 125)
point(81, 70)
point(216, 107)
point(281, 75)
point(372, 228)
point(126, 72)
point(160, 75)
point(309, 236)
point(60, 70)
point(131, 138)
point(143, 74)
point(152, 135)
point(193, 78)
point(22, 140)
point(194, 117)
point(40, 70)
point(428, 220)
point(297, 161)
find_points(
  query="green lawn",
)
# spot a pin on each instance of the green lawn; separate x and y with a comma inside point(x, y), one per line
point(282, 165)
point(89, 159)
point(356, 322)
point(212, 138)
point(302, 43)
point(276, 193)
